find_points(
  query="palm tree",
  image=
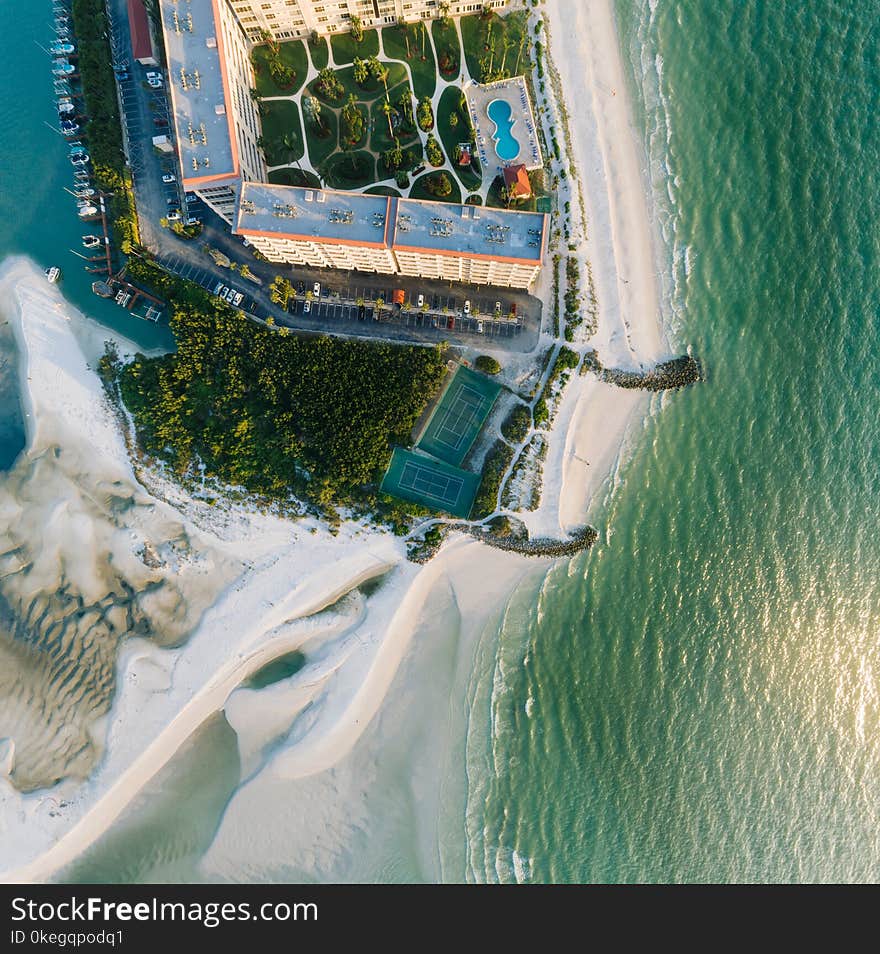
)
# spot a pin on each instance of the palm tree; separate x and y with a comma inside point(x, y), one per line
point(519, 52)
point(380, 72)
point(388, 109)
point(403, 26)
point(313, 107)
point(361, 71)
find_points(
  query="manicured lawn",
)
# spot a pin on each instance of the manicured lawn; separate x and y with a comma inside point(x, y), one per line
point(383, 190)
point(381, 137)
point(509, 38)
point(364, 110)
point(345, 49)
point(282, 132)
point(493, 197)
point(320, 53)
point(320, 147)
point(424, 71)
point(420, 192)
point(471, 177)
point(292, 54)
point(371, 90)
point(349, 171)
point(448, 49)
point(294, 177)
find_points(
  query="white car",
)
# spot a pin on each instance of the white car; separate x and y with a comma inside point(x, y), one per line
point(307, 306)
point(316, 289)
point(174, 215)
point(239, 297)
point(219, 289)
point(154, 79)
point(224, 291)
point(497, 307)
point(467, 307)
point(230, 295)
point(421, 301)
point(168, 178)
point(479, 327)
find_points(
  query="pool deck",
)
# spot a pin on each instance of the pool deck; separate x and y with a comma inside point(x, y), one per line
point(515, 93)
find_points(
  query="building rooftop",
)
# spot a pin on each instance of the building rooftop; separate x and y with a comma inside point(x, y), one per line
point(298, 212)
point(139, 29)
point(470, 230)
point(196, 76)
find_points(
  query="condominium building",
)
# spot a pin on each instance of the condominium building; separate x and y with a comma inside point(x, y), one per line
point(215, 120)
point(286, 19)
point(368, 233)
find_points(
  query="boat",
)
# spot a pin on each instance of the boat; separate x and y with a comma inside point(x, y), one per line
point(91, 241)
point(63, 68)
point(69, 129)
point(81, 159)
point(61, 48)
point(102, 289)
point(65, 107)
point(84, 211)
point(83, 193)
point(53, 274)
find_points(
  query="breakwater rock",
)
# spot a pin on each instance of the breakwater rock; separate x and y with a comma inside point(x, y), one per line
point(668, 375)
point(579, 540)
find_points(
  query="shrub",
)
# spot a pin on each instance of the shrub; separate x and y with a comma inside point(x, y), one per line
point(487, 364)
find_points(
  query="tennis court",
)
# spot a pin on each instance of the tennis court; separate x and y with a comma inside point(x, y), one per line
point(430, 482)
point(458, 417)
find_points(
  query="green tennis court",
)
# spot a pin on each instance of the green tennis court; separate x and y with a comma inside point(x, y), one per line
point(430, 483)
point(458, 417)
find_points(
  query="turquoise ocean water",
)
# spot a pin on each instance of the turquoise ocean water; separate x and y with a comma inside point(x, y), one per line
point(697, 698)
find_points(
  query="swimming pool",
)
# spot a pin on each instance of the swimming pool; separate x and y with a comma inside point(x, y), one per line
point(506, 145)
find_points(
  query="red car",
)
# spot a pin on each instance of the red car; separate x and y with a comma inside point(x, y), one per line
point(450, 322)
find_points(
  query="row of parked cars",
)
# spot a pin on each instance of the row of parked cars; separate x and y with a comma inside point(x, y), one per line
point(231, 295)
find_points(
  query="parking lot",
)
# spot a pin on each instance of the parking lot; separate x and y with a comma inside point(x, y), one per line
point(350, 308)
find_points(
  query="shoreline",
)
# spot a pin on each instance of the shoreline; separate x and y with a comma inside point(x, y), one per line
point(357, 661)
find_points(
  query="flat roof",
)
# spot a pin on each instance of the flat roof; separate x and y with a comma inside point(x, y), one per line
point(469, 230)
point(196, 77)
point(298, 212)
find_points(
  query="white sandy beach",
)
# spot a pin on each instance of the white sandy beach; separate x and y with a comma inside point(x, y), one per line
point(283, 579)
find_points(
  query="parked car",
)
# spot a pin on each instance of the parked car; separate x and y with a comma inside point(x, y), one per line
point(239, 297)
point(245, 242)
point(154, 79)
point(301, 288)
point(421, 301)
point(362, 312)
point(219, 288)
point(450, 322)
point(467, 306)
point(513, 309)
point(479, 327)
point(224, 291)
point(307, 306)
point(316, 289)
point(174, 215)
point(497, 307)
point(168, 178)
point(191, 199)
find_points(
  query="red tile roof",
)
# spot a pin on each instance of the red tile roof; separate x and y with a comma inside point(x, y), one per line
point(139, 25)
point(516, 179)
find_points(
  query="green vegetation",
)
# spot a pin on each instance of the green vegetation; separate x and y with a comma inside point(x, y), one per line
point(321, 132)
point(454, 126)
point(104, 131)
point(319, 51)
point(282, 139)
point(567, 360)
point(270, 412)
point(498, 198)
point(448, 48)
point(407, 44)
point(346, 47)
point(433, 152)
point(573, 314)
point(497, 461)
point(496, 47)
point(516, 425)
point(382, 190)
point(425, 115)
point(349, 170)
point(487, 364)
point(436, 185)
point(294, 177)
point(280, 68)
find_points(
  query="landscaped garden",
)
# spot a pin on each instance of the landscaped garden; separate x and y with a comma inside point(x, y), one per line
point(369, 119)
